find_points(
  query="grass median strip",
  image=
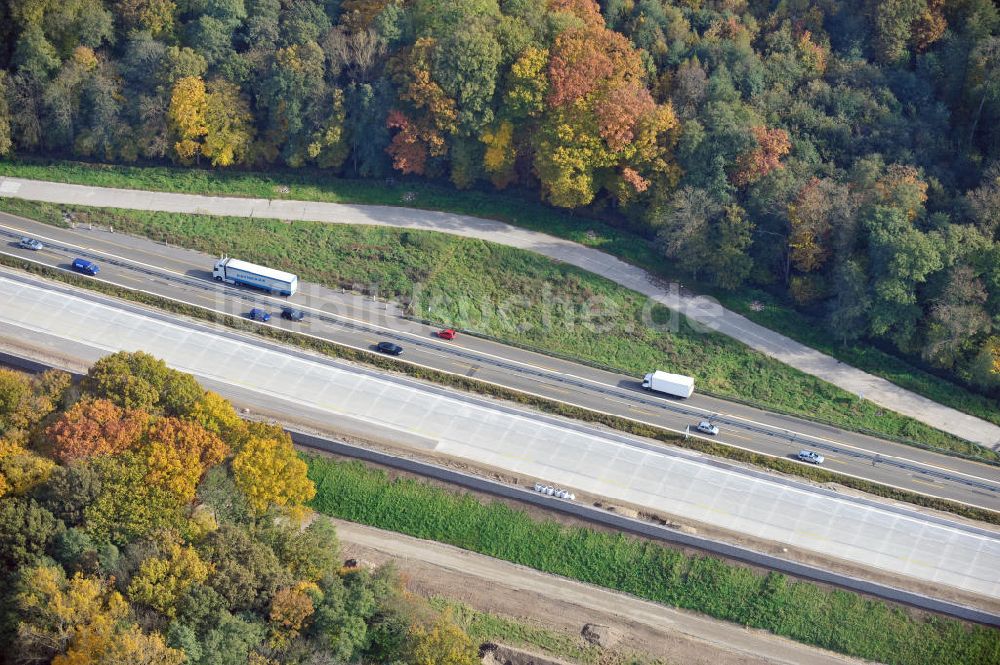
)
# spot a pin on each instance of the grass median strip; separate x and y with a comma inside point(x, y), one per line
point(492, 390)
point(518, 297)
point(521, 210)
point(833, 619)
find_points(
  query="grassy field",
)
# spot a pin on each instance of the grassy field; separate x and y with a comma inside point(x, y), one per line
point(522, 210)
point(832, 619)
point(517, 296)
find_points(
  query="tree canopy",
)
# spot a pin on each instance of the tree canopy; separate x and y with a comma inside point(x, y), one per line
point(793, 129)
point(155, 526)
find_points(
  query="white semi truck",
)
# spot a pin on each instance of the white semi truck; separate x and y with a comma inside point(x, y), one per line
point(234, 271)
point(677, 385)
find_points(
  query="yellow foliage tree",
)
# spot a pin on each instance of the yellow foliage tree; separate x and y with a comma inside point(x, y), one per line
point(269, 472)
point(498, 159)
point(178, 454)
point(187, 116)
point(161, 581)
point(444, 643)
point(213, 412)
point(54, 610)
point(20, 469)
point(228, 124)
point(527, 83)
point(104, 643)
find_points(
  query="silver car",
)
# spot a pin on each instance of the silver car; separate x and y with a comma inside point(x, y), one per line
point(706, 427)
point(810, 456)
point(30, 243)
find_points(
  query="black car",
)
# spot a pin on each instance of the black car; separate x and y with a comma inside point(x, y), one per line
point(390, 348)
point(292, 314)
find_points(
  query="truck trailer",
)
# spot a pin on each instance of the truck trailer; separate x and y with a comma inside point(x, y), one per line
point(234, 271)
point(677, 385)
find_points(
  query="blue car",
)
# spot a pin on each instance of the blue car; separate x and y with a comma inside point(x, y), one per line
point(258, 314)
point(86, 267)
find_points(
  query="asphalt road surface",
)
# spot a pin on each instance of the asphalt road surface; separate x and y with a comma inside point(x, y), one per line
point(357, 321)
point(926, 548)
point(703, 310)
point(185, 275)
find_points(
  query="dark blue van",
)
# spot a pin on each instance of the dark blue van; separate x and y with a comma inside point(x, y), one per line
point(86, 267)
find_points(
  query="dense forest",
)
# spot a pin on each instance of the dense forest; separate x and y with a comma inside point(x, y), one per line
point(842, 153)
point(143, 522)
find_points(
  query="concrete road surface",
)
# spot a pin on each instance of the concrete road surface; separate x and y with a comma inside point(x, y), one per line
point(523, 443)
point(180, 274)
point(708, 312)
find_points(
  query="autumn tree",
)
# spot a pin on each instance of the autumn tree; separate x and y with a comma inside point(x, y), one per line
point(269, 472)
point(162, 580)
point(527, 84)
point(177, 454)
point(51, 609)
point(21, 470)
point(15, 392)
point(228, 124)
point(80, 620)
point(291, 608)
point(95, 427)
point(443, 643)
point(772, 145)
point(154, 16)
point(187, 115)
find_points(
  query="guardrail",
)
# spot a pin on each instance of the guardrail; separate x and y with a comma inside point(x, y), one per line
point(646, 529)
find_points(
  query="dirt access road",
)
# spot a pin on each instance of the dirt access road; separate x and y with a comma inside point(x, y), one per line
point(563, 605)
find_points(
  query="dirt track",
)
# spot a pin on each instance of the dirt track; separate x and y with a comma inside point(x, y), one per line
point(491, 585)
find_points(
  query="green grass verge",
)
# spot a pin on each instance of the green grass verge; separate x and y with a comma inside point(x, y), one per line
point(523, 210)
point(520, 297)
point(470, 385)
point(489, 627)
point(833, 619)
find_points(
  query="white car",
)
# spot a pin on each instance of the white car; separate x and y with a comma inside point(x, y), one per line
point(30, 243)
point(706, 427)
point(810, 456)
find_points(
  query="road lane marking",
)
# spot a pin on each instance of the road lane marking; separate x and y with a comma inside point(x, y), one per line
point(773, 428)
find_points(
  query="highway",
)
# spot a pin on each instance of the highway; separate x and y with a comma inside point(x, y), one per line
point(935, 551)
point(705, 311)
point(184, 275)
point(669, 534)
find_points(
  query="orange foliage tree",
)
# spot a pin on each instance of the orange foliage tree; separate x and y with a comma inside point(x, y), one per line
point(95, 427)
point(772, 145)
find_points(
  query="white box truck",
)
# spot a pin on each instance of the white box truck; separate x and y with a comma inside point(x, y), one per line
point(677, 385)
point(234, 271)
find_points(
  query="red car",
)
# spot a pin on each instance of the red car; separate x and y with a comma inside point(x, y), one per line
point(447, 334)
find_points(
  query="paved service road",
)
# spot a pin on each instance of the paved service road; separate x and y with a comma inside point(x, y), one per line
point(351, 320)
point(708, 312)
point(867, 533)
